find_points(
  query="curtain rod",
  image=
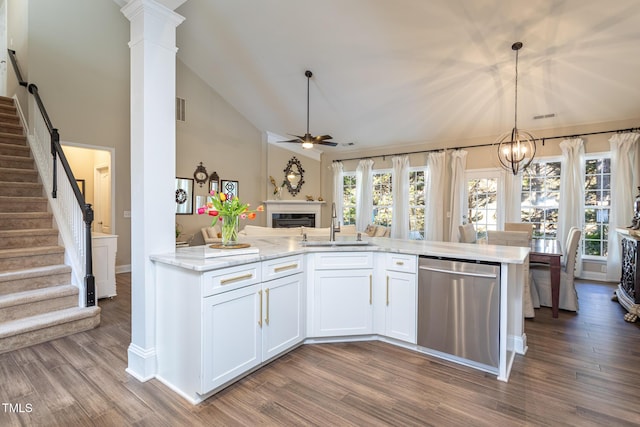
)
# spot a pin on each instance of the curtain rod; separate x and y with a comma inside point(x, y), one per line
point(636, 129)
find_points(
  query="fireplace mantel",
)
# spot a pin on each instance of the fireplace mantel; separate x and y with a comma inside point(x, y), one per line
point(292, 206)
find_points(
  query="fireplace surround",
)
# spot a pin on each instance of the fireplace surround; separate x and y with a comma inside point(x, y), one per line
point(290, 211)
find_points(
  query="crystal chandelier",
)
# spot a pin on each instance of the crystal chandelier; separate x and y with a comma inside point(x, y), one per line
point(516, 149)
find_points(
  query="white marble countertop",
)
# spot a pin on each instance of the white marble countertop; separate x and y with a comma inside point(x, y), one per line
point(193, 258)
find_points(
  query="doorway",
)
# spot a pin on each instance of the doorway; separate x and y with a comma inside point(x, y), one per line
point(93, 166)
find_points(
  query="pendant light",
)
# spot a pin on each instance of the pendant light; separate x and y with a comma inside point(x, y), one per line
point(516, 149)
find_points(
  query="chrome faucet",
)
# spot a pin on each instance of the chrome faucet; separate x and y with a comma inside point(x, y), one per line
point(335, 224)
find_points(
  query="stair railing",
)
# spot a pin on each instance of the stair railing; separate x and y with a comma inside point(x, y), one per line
point(71, 207)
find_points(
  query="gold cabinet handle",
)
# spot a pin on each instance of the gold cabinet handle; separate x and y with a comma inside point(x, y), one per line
point(285, 267)
point(266, 319)
point(260, 318)
point(399, 263)
point(370, 289)
point(235, 279)
point(387, 290)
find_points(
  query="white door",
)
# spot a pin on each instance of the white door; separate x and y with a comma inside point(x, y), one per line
point(400, 301)
point(282, 315)
point(102, 200)
point(343, 302)
point(232, 336)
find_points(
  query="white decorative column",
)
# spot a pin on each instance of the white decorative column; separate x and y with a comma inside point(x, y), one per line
point(153, 160)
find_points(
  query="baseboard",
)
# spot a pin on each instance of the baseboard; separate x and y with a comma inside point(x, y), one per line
point(142, 362)
point(593, 275)
point(126, 268)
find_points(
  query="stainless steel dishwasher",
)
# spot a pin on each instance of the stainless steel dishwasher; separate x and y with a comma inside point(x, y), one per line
point(459, 309)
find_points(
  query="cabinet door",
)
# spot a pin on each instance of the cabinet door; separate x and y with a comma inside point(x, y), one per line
point(400, 301)
point(343, 302)
point(232, 336)
point(282, 326)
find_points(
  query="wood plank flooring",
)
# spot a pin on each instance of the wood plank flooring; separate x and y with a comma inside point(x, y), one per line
point(581, 370)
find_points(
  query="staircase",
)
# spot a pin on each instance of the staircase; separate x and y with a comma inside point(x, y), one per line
point(38, 303)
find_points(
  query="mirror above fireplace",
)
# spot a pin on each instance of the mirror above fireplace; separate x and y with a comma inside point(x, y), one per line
point(294, 176)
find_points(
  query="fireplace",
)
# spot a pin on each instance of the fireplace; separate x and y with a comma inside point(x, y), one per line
point(288, 220)
point(293, 213)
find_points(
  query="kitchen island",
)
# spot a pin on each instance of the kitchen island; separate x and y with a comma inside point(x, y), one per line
point(221, 317)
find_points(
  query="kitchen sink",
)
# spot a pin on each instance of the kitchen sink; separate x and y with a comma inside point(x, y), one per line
point(335, 243)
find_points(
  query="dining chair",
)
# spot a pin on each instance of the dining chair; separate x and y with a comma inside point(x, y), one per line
point(518, 238)
point(542, 278)
point(467, 233)
point(519, 226)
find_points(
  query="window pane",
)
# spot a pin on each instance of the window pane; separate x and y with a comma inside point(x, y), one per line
point(596, 206)
point(540, 198)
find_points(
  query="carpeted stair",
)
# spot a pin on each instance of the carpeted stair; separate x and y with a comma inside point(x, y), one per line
point(38, 303)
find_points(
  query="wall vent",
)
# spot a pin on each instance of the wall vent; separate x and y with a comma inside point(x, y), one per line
point(180, 109)
point(544, 116)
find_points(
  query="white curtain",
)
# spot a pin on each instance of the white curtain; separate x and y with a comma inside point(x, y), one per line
point(623, 160)
point(434, 216)
point(338, 196)
point(400, 197)
point(459, 198)
point(364, 194)
point(572, 191)
point(512, 197)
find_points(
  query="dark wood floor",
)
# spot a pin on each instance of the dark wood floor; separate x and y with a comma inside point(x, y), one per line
point(580, 370)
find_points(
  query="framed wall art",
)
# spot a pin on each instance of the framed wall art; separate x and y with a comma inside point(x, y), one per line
point(229, 187)
point(184, 196)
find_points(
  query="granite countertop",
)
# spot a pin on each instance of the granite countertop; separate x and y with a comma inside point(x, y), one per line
point(193, 257)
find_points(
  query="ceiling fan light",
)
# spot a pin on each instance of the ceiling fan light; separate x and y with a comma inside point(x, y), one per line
point(307, 144)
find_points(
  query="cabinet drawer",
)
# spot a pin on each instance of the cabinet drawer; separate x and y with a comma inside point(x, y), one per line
point(281, 267)
point(401, 262)
point(343, 260)
point(228, 279)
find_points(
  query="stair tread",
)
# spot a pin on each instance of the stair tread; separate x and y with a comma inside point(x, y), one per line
point(28, 232)
point(35, 295)
point(20, 170)
point(32, 272)
point(49, 319)
point(29, 215)
point(7, 253)
point(20, 184)
point(23, 198)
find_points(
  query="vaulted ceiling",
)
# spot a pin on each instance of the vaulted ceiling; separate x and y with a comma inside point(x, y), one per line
point(434, 72)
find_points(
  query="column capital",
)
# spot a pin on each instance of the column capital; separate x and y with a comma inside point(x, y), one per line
point(160, 8)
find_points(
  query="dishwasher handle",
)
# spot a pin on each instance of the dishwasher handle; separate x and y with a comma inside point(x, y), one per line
point(459, 273)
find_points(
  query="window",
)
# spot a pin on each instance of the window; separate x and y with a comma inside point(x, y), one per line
point(597, 205)
point(484, 200)
point(416, 204)
point(348, 198)
point(541, 197)
point(382, 200)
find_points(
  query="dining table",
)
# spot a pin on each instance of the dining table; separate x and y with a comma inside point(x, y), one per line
point(549, 251)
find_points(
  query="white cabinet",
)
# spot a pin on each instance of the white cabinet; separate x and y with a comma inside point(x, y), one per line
point(232, 338)
point(103, 251)
point(342, 294)
point(250, 323)
point(282, 318)
point(400, 297)
point(283, 297)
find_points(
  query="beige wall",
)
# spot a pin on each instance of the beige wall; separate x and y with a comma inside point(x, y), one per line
point(277, 159)
point(76, 52)
point(223, 140)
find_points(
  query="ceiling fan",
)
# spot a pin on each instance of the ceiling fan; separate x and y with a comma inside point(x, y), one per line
point(308, 141)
